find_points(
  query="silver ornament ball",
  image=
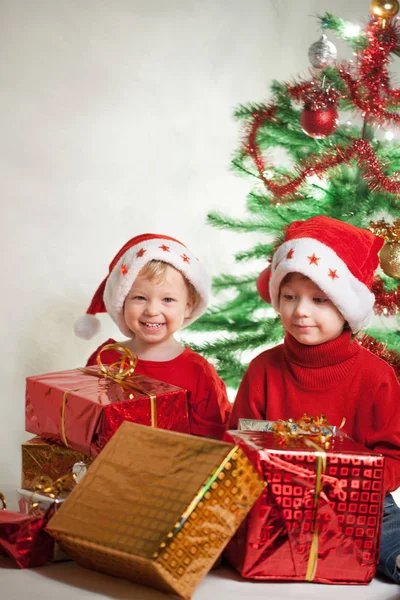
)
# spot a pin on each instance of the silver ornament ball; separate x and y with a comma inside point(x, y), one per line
point(322, 54)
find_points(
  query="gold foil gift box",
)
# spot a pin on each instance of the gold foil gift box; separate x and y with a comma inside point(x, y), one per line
point(47, 459)
point(157, 507)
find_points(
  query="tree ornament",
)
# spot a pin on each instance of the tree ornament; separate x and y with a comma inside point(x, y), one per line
point(390, 254)
point(320, 116)
point(322, 54)
point(390, 259)
point(384, 9)
point(388, 231)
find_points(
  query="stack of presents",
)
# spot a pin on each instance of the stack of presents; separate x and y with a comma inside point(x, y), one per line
point(114, 482)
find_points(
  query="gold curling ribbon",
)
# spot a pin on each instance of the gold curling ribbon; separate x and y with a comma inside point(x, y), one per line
point(316, 428)
point(3, 501)
point(320, 469)
point(119, 372)
point(122, 368)
point(54, 489)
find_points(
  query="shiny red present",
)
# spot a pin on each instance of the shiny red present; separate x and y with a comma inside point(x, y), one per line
point(319, 518)
point(82, 409)
point(24, 539)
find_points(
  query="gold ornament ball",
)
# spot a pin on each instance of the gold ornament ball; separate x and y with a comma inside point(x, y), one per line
point(390, 259)
point(385, 9)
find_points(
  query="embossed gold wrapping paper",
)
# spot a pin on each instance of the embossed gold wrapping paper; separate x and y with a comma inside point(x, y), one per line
point(157, 507)
point(46, 458)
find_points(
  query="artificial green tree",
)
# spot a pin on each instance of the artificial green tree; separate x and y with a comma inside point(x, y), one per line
point(345, 170)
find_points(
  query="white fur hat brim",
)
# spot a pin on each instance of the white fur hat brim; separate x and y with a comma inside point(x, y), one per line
point(324, 267)
point(125, 272)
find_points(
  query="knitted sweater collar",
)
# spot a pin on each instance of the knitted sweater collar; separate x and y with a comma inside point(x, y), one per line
point(321, 365)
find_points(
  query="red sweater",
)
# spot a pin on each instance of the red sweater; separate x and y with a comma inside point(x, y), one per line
point(339, 379)
point(208, 404)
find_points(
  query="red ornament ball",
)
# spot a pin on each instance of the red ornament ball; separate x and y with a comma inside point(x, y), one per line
point(321, 122)
point(263, 284)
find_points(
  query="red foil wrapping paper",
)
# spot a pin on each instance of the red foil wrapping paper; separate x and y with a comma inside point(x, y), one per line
point(292, 534)
point(81, 411)
point(24, 539)
point(39, 505)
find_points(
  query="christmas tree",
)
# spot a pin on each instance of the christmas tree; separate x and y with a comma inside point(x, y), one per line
point(349, 171)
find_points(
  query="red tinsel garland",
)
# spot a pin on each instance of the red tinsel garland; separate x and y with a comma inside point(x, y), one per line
point(379, 349)
point(386, 303)
point(370, 92)
point(252, 147)
point(360, 150)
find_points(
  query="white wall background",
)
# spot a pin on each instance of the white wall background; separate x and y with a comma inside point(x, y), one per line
point(115, 119)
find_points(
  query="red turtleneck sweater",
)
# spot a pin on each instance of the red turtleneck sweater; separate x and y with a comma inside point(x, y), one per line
point(339, 379)
point(208, 404)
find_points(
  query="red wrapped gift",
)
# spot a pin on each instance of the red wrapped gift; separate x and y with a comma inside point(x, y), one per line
point(24, 539)
point(319, 518)
point(83, 408)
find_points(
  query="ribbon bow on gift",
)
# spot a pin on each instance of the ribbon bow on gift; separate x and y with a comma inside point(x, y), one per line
point(54, 489)
point(120, 372)
point(122, 368)
point(315, 428)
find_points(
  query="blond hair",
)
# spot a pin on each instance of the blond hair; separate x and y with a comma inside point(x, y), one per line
point(155, 271)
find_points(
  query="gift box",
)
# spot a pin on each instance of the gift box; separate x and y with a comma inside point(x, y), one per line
point(82, 408)
point(23, 538)
point(157, 507)
point(42, 458)
point(293, 427)
point(319, 518)
point(39, 505)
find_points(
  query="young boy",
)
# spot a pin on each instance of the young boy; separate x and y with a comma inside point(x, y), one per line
point(156, 286)
point(319, 283)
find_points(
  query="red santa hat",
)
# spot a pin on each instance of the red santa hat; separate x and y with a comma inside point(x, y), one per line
point(340, 258)
point(125, 267)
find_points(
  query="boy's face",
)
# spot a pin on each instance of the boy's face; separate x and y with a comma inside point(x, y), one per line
point(155, 311)
point(307, 313)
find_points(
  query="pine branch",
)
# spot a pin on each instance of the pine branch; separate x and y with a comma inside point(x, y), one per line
point(259, 251)
point(224, 222)
point(341, 28)
point(222, 282)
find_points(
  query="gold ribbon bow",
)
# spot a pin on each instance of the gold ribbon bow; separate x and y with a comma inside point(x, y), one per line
point(57, 489)
point(3, 501)
point(122, 368)
point(120, 372)
point(54, 489)
point(315, 428)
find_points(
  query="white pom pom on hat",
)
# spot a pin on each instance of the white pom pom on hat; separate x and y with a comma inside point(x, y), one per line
point(87, 326)
point(125, 267)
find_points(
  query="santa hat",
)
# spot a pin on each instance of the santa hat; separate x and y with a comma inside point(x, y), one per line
point(340, 258)
point(125, 267)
